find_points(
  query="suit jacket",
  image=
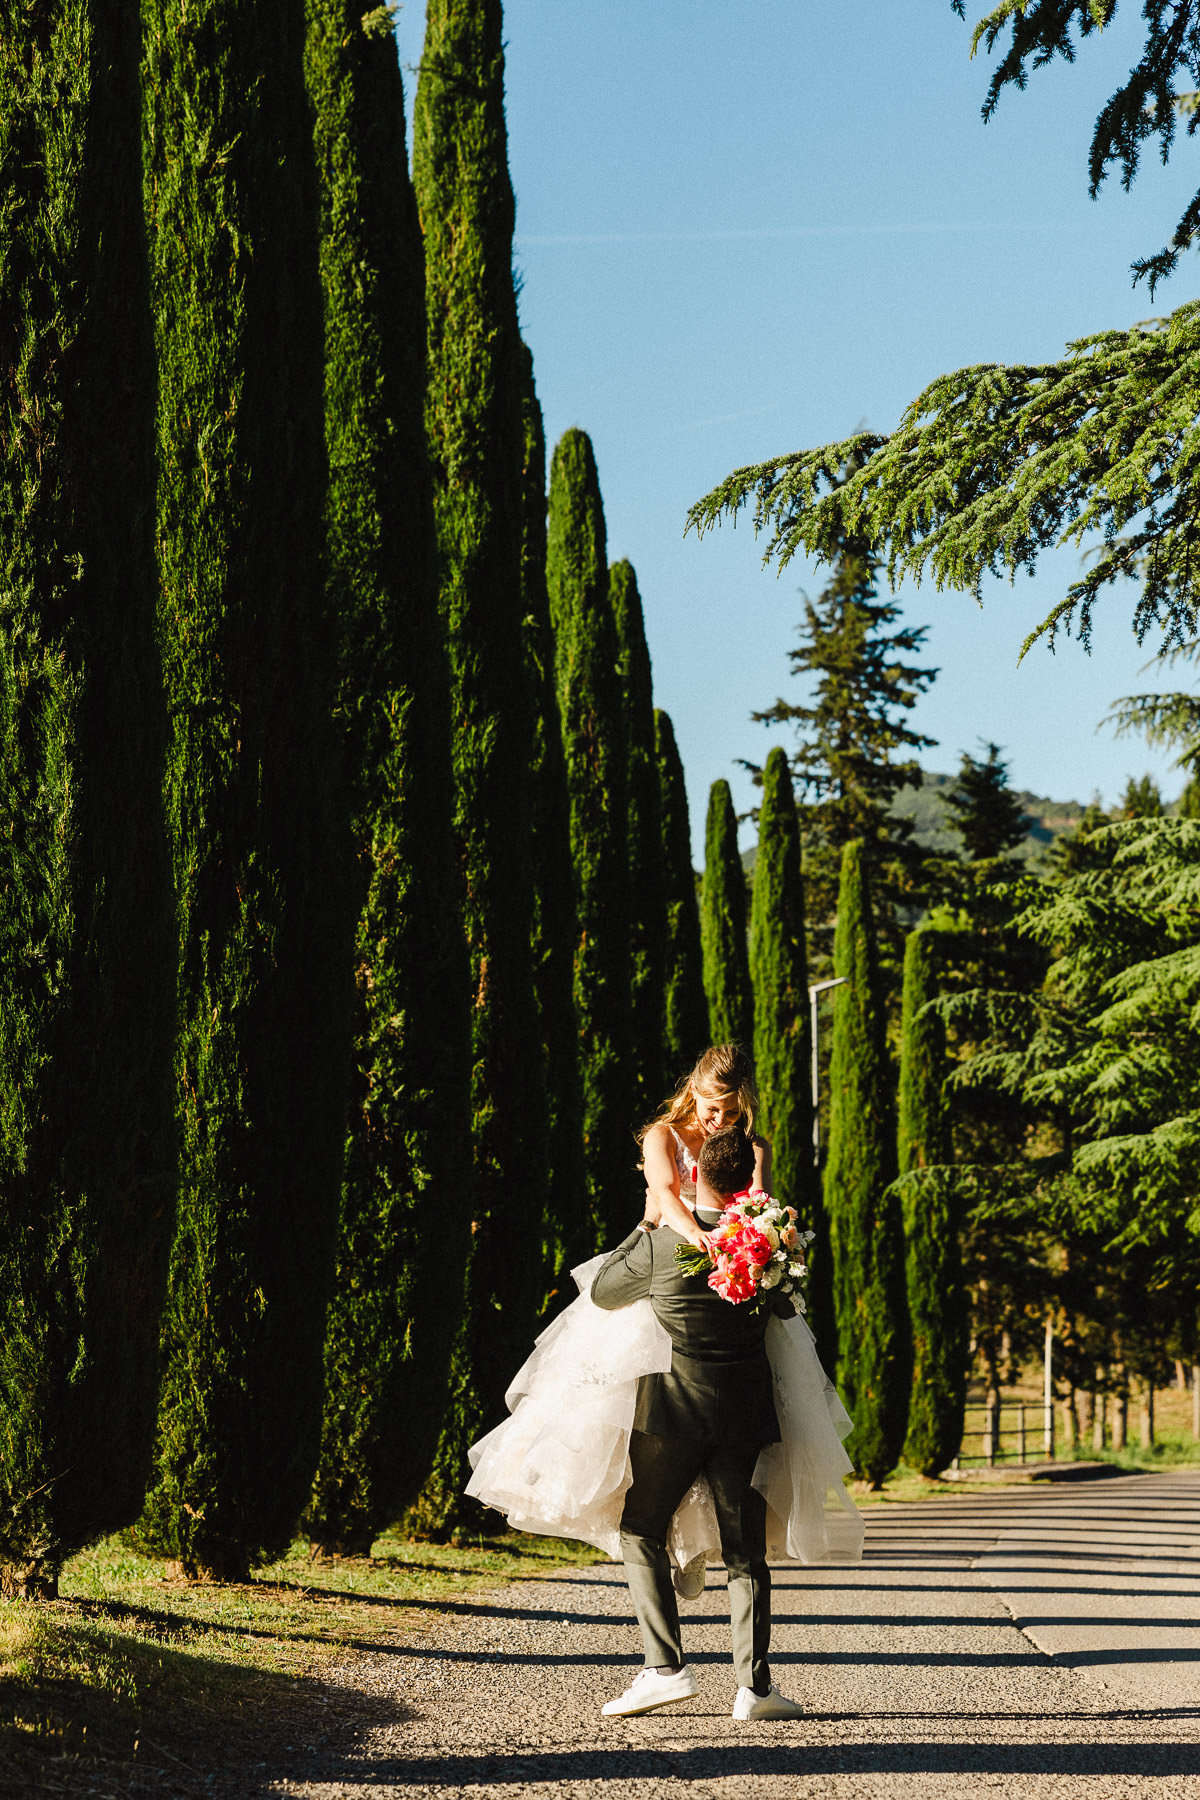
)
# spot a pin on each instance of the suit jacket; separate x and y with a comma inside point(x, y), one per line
point(718, 1387)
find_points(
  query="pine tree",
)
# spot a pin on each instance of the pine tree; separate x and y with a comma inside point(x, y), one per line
point(568, 1217)
point(1140, 800)
point(593, 734)
point(933, 1260)
point(864, 1212)
point(723, 926)
point(400, 1252)
point(983, 808)
point(648, 915)
point(253, 790)
point(685, 1008)
point(851, 731)
point(87, 939)
point(473, 418)
point(779, 967)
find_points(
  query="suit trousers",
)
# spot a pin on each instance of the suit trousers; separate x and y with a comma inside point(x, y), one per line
point(663, 1471)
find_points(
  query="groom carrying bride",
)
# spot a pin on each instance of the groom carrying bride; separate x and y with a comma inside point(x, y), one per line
point(712, 1412)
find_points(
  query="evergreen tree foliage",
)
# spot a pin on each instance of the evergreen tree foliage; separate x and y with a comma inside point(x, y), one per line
point(1189, 800)
point(87, 939)
point(255, 801)
point(685, 1008)
point(853, 728)
point(591, 714)
point(1140, 800)
point(1147, 105)
point(403, 1237)
point(473, 419)
point(568, 1218)
point(648, 904)
point(933, 1256)
point(873, 1362)
point(983, 808)
point(723, 926)
point(779, 970)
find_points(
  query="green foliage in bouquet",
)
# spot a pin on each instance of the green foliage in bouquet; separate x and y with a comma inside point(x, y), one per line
point(685, 1008)
point(403, 1235)
point(255, 800)
point(473, 421)
point(87, 941)
point(568, 1230)
point(779, 968)
point(647, 891)
point(592, 720)
point(873, 1362)
point(932, 1228)
point(723, 926)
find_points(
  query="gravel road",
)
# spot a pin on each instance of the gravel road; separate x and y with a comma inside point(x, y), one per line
point(1026, 1642)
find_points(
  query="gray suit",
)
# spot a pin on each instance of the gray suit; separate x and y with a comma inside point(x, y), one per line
point(712, 1411)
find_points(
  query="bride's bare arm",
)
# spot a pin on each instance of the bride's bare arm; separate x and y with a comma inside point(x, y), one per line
point(762, 1164)
point(663, 1205)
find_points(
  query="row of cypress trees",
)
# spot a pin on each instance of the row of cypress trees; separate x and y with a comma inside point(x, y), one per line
point(886, 1294)
point(431, 880)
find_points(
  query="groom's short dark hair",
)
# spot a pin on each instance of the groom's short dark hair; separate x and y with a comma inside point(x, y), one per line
point(726, 1161)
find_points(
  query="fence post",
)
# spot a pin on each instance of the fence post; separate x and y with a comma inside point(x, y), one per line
point(1048, 1389)
point(991, 1433)
point(1021, 1432)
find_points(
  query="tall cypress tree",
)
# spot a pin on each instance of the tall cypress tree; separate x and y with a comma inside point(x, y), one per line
point(779, 968)
point(253, 790)
point(568, 1217)
point(723, 926)
point(87, 941)
point(647, 891)
point(933, 1258)
point(400, 1254)
point(593, 735)
point(685, 1009)
point(473, 419)
point(863, 1210)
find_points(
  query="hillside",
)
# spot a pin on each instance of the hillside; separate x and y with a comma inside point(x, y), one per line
point(1048, 819)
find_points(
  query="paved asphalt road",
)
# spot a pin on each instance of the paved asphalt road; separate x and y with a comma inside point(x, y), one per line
point(1023, 1642)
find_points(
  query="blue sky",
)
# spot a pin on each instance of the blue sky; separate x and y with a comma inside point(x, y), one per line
point(746, 230)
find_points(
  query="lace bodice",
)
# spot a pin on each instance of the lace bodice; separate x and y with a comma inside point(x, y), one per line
point(685, 1162)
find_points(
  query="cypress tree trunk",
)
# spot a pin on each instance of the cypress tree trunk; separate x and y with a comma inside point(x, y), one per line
point(779, 966)
point(568, 1231)
point(933, 1260)
point(864, 1213)
point(87, 938)
point(473, 418)
point(723, 926)
point(403, 1236)
point(685, 1009)
point(255, 799)
point(593, 735)
point(647, 889)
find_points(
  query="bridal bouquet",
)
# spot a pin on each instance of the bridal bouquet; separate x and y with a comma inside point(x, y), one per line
point(757, 1250)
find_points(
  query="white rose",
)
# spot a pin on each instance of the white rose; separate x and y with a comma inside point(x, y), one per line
point(771, 1276)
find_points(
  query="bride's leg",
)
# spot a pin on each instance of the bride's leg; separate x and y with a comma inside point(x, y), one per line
point(663, 1471)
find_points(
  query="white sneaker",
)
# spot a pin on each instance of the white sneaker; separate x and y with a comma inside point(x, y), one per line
point(774, 1705)
point(649, 1689)
point(689, 1581)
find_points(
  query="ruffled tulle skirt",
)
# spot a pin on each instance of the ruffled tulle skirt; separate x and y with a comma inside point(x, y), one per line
point(559, 1465)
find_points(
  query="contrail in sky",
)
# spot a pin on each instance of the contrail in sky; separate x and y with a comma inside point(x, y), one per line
point(769, 232)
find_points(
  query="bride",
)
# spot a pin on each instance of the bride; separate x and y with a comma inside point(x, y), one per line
point(559, 1465)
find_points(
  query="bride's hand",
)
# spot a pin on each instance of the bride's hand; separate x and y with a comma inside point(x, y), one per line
point(697, 1236)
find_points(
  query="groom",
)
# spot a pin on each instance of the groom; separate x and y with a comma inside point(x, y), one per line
point(712, 1411)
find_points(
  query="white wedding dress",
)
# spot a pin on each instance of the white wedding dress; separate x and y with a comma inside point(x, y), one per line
point(559, 1465)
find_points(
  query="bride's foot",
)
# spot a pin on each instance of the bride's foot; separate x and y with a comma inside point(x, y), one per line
point(689, 1581)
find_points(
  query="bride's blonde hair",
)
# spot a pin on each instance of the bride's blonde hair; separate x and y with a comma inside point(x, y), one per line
point(722, 1073)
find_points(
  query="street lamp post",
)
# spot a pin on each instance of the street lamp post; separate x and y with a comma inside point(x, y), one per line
point(814, 994)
